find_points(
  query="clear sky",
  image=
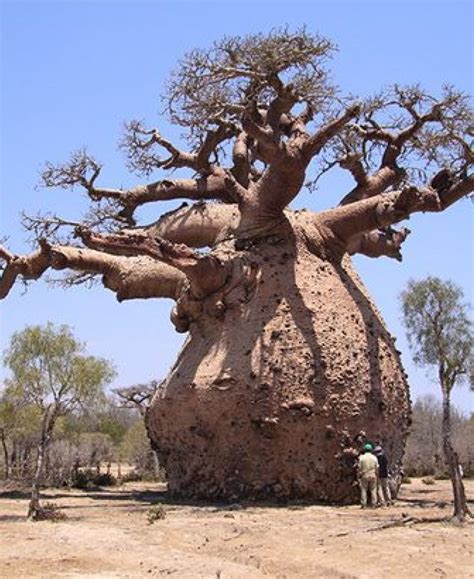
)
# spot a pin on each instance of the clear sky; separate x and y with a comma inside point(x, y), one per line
point(73, 71)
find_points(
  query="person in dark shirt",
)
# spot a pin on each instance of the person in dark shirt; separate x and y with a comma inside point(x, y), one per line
point(383, 489)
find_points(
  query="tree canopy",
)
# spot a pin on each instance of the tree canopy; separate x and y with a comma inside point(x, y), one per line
point(48, 365)
point(256, 111)
point(439, 329)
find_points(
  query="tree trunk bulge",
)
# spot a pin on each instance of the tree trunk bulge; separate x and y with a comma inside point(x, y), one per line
point(285, 371)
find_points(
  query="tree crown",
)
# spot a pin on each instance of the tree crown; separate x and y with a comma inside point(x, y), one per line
point(259, 112)
point(48, 365)
point(439, 330)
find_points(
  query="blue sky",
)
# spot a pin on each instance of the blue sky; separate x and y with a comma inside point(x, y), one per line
point(72, 72)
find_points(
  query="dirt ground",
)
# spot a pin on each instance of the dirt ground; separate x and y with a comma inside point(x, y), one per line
point(107, 534)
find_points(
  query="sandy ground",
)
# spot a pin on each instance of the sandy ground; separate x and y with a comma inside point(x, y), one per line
point(107, 534)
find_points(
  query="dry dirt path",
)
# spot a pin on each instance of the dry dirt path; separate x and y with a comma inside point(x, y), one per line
point(107, 534)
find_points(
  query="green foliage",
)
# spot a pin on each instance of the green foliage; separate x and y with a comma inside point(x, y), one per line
point(48, 365)
point(113, 428)
point(439, 329)
point(19, 420)
point(135, 446)
point(55, 396)
point(428, 480)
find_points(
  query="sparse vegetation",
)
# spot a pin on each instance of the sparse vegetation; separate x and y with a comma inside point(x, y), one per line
point(424, 451)
point(57, 427)
point(428, 480)
point(156, 513)
point(49, 512)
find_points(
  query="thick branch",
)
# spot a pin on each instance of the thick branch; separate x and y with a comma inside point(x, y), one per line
point(316, 142)
point(240, 157)
point(268, 143)
point(198, 225)
point(282, 104)
point(386, 242)
point(370, 185)
point(129, 278)
point(387, 209)
point(211, 187)
point(206, 272)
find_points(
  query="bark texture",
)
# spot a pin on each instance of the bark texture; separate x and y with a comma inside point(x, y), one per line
point(285, 372)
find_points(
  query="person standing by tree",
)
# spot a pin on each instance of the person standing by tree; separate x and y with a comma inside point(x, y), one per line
point(50, 371)
point(440, 335)
point(383, 489)
point(367, 472)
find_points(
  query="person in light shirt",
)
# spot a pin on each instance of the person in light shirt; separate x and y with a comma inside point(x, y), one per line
point(367, 473)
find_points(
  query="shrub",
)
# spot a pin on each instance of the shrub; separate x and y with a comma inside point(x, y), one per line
point(132, 476)
point(49, 512)
point(89, 479)
point(428, 480)
point(105, 480)
point(156, 513)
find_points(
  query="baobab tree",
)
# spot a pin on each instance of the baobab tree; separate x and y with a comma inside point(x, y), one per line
point(288, 366)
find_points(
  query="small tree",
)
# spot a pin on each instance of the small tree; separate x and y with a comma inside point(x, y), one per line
point(440, 335)
point(50, 370)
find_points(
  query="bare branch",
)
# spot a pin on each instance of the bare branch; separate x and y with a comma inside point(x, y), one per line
point(198, 225)
point(206, 272)
point(126, 201)
point(384, 210)
point(316, 142)
point(137, 396)
point(139, 145)
point(129, 278)
point(217, 83)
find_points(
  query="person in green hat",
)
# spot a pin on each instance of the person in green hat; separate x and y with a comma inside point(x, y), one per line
point(367, 473)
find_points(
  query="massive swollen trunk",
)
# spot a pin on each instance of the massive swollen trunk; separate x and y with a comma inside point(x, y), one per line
point(286, 372)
